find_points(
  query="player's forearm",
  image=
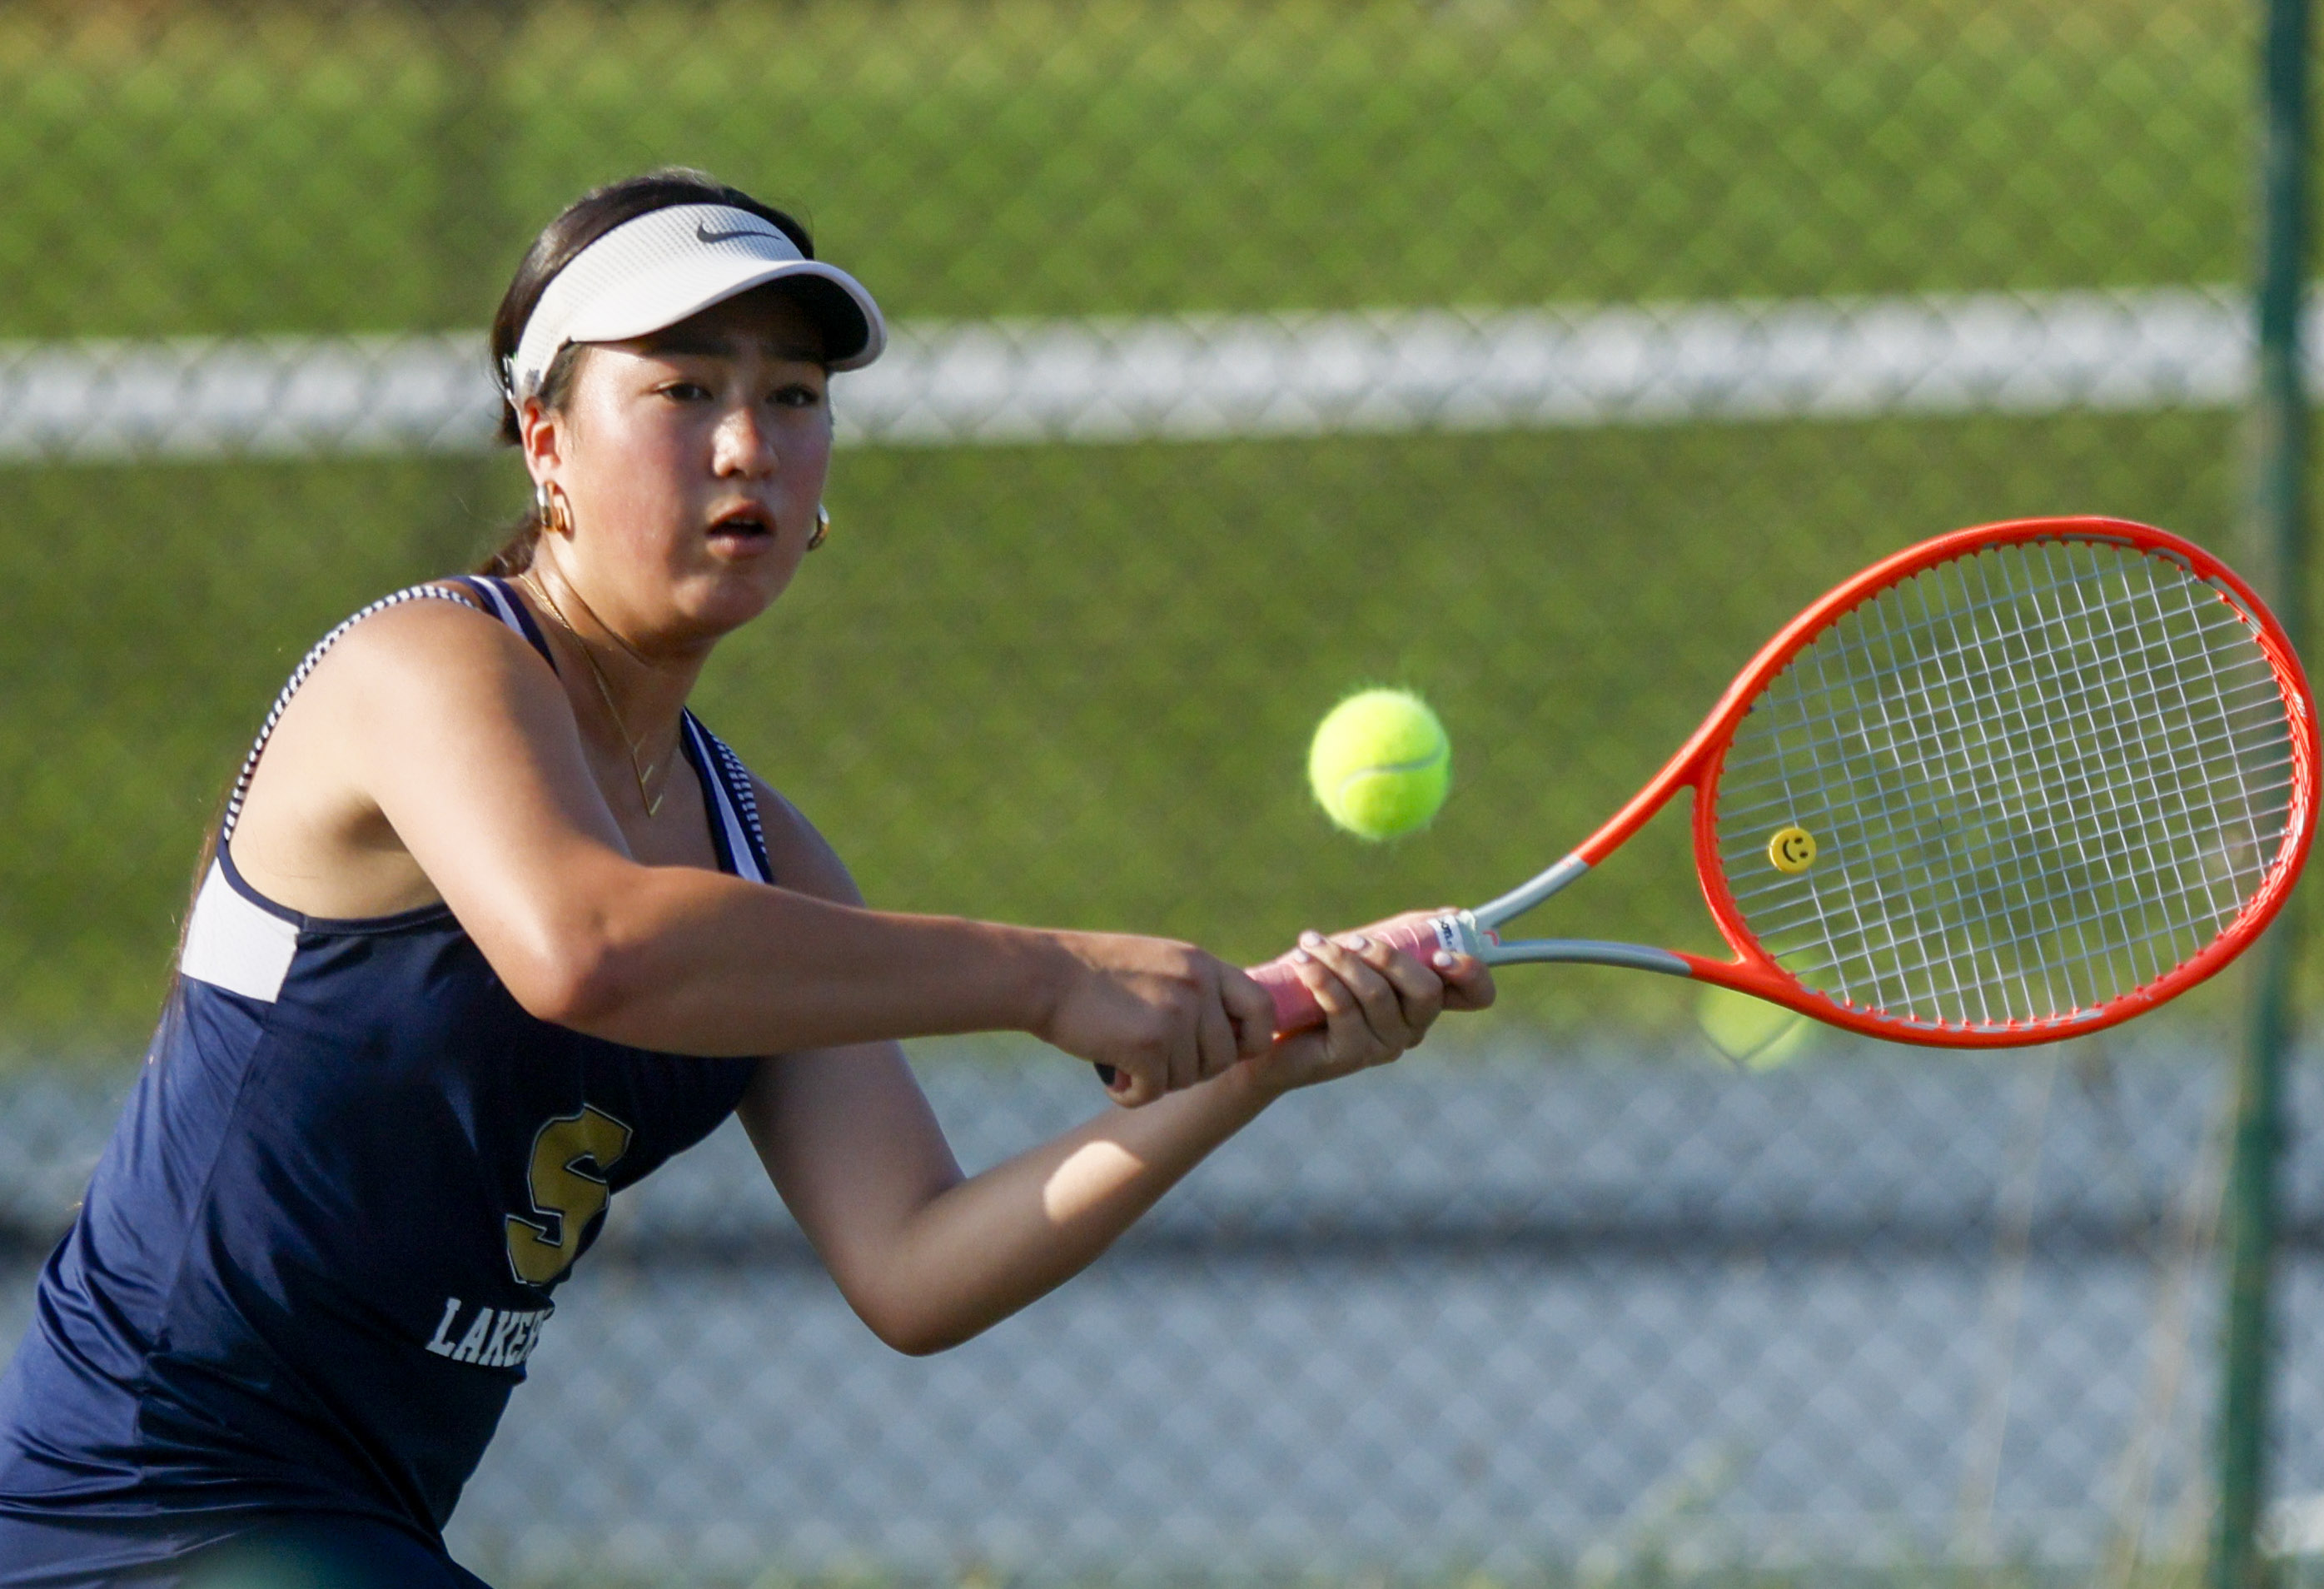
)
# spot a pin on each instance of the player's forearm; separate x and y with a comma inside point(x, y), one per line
point(690, 962)
point(999, 1241)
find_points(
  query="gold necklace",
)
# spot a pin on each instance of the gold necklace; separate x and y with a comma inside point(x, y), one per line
point(644, 773)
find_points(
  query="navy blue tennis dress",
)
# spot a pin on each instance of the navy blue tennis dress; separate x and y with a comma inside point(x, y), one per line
point(328, 1228)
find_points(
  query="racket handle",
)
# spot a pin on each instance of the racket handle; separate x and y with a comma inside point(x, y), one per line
point(1296, 1009)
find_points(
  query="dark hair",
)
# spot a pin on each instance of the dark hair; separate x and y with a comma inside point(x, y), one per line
point(582, 222)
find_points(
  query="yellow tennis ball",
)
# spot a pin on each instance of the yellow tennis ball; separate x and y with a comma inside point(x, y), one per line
point(1380, 764)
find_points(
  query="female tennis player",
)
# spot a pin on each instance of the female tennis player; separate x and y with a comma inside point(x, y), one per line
point(493, 926)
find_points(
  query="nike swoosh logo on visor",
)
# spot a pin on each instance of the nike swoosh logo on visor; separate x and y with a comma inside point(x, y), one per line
point(702, 233)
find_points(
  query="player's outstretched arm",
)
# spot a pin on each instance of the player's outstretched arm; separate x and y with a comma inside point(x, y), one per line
point(460, 738)
point(929, 1258)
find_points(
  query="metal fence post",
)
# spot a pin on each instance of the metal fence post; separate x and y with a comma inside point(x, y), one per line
point(2279, 520)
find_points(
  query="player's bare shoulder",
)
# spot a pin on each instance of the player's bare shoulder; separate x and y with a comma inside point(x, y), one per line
point(441, 637)
point(396, 660)
point(307, 831)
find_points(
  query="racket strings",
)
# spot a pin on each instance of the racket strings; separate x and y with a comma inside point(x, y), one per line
point(2078, 764)
point(2244, 783)
point(2039, 777)
point(2087, 790)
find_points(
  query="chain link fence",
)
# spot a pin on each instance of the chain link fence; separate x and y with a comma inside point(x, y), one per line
point(1520, 1315)
point(1541, 358)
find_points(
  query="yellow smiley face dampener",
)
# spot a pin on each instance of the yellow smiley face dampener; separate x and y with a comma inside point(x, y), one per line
point(1791, 849)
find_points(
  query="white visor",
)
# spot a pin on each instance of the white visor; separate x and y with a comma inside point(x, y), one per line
point(646, 274)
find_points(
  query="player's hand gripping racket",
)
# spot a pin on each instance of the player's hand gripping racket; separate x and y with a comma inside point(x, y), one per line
point(2017, 784)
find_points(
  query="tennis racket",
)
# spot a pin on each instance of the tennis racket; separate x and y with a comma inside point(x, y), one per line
point(2014, 785)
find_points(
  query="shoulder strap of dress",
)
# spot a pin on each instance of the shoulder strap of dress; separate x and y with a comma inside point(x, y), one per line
point(494, 595)
point(733, 800)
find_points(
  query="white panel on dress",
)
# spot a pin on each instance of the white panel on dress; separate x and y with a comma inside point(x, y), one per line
point(235, 945)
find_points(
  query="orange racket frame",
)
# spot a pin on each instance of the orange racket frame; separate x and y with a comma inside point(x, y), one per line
point(1698, 766)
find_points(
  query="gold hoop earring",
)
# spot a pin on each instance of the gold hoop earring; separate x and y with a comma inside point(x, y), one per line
point(822, 527)
point(552, 509)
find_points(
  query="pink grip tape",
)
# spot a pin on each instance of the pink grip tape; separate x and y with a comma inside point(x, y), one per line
point(1296, 1009)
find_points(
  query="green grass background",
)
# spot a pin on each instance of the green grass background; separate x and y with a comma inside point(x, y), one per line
point(174, 168)
point(1073, 685)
